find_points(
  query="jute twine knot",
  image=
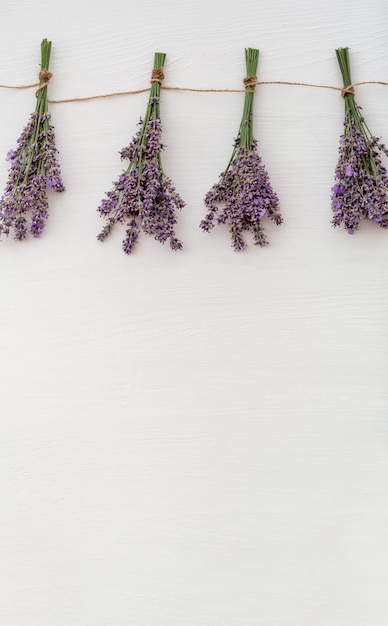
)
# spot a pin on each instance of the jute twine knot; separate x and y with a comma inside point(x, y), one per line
point(43, 75)
point(157, 75)
point(346, 90)
point(250, 81)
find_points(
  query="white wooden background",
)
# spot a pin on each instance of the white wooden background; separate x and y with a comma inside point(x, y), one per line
point(198, 438)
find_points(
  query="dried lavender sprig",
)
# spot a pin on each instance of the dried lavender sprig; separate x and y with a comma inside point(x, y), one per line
point(34, 167)
point(244, 188)
point(360, 189)
point(143, 197)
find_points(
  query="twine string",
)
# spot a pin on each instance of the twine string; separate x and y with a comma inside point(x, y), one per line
point(293, 84)
point(346, 90)
point(44, 75)
point(19, 86)
point(157, 75)
point(252, 82)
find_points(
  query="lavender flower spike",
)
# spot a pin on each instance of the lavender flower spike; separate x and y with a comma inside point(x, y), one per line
point(143, 197)
point(244, 189)
point(34, 167)
point(360, 188)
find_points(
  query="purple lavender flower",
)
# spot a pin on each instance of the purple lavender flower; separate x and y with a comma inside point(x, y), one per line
point(360, 189)
point(33, 168)
point(244, 190)
point(143, 197)
point(246, 194)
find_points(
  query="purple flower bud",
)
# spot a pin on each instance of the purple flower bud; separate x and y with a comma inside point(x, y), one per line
point(143, 197)
point(361, 185)
point(245, 193)
point(28, 179)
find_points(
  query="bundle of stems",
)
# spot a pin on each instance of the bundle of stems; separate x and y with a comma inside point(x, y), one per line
point(143, 197)
point(34, 166)
point(360, 189)
point(244, 190)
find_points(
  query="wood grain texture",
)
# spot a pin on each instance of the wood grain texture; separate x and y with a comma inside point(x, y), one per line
point(194, 439)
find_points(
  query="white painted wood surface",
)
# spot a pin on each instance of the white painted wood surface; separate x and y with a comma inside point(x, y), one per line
point(194, 439)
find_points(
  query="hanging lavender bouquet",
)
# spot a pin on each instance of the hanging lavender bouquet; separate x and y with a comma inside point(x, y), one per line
point(244, 189)
point(143, 197)
point(360, 190)
point(34, 167)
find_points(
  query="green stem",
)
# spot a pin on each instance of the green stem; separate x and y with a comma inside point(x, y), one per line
point(41, 107)
point(245, 133)
point(350, 103)
point(351, 108)
point(41, 100)
point(152, 111)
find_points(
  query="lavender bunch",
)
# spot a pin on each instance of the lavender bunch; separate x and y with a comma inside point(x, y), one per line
point(143, 197)
point(244, 189)
point(34, 167)
point(361, 182)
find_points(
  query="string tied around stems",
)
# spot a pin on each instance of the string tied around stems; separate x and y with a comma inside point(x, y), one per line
point(349, 89)
point(44, 75)
point(157, 75)
point(250, 83)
